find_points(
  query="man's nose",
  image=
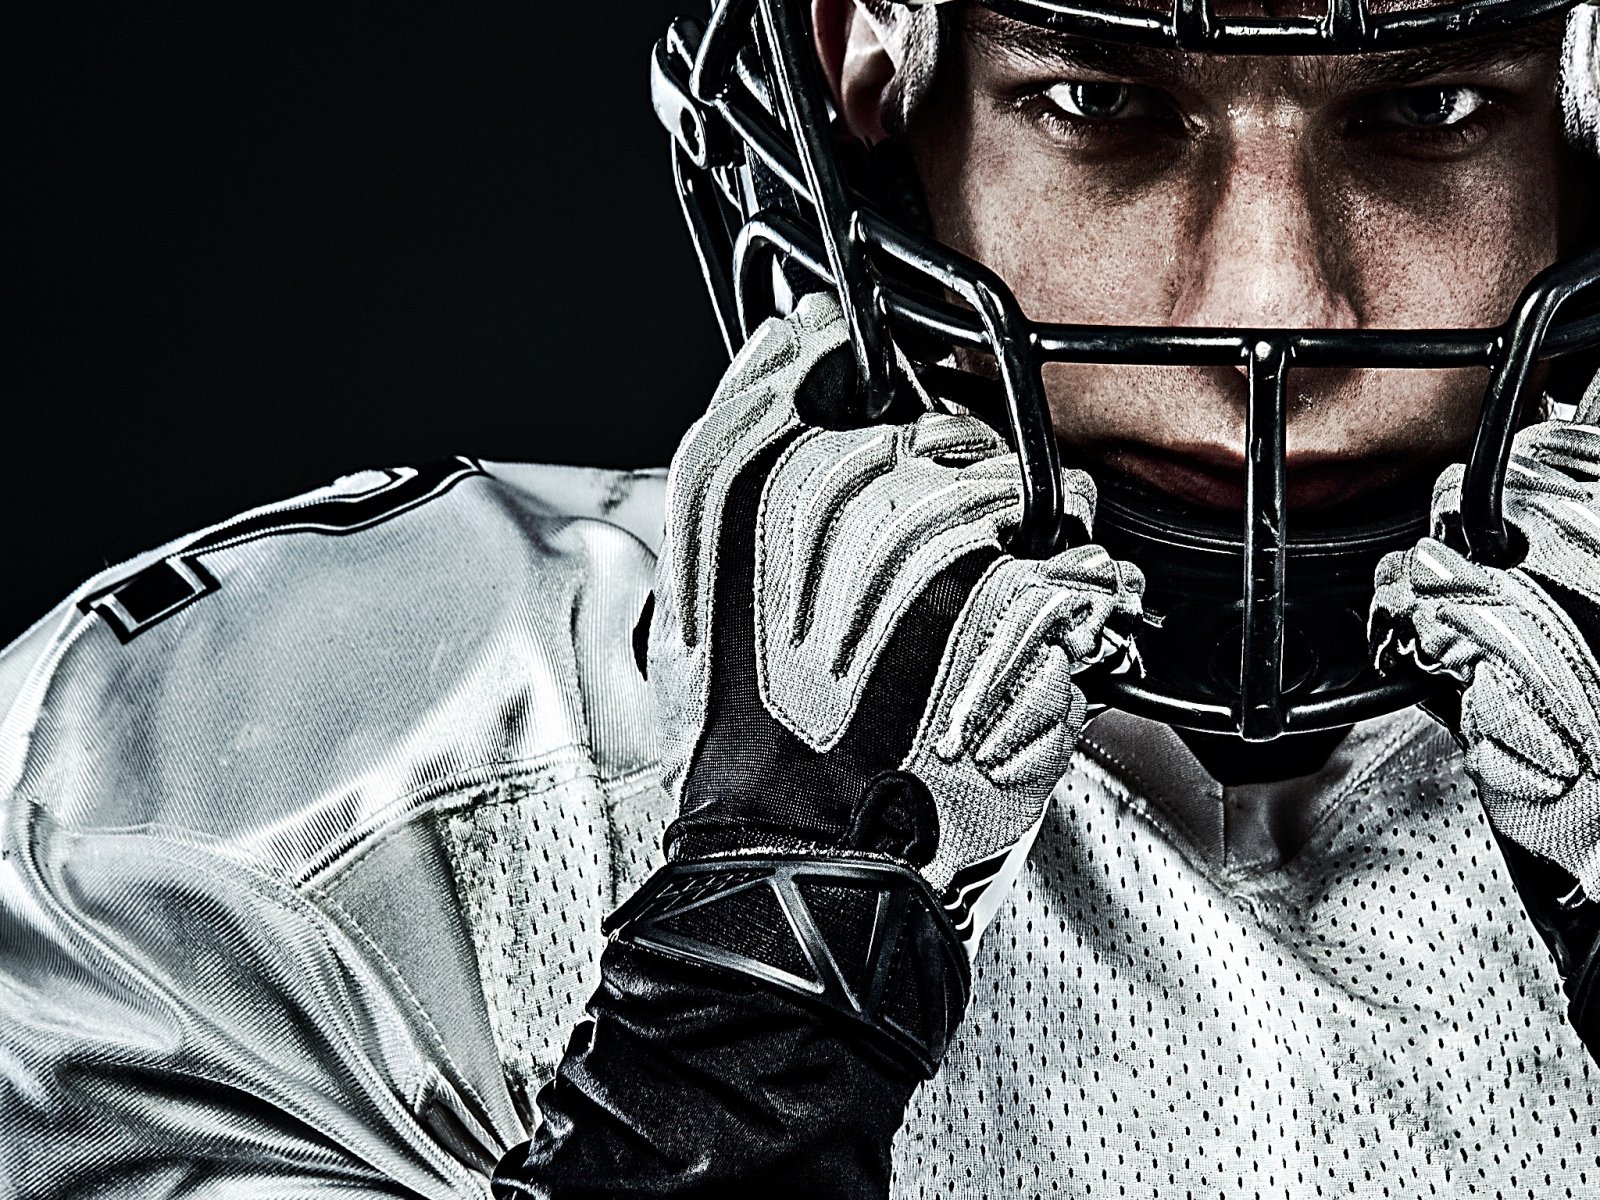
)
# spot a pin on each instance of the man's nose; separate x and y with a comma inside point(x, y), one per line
point(1265, 251)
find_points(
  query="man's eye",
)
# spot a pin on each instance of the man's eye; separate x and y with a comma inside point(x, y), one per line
point(1086, 101)
point(1427, 108)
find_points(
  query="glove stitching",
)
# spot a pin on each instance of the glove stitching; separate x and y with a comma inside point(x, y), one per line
point(967, 616)
point(860, 626)
point(1039, 664)
point(1025, 591)
point(1562, 634)
point(1532, 766)
point(1530, 696)
point(1039, 660)
point(811, 564)
point(1497, 601)
point(996, 710)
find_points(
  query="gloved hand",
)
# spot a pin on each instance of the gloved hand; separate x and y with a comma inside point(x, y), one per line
point(864, 706)
point(849, 667)
point(1521, 642)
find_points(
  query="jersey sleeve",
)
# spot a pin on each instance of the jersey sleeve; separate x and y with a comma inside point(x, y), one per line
point(234, 957)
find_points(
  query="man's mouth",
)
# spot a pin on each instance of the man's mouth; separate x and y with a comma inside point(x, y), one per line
point(1214, 477)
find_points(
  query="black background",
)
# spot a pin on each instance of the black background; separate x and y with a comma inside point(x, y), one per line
point(246, 248)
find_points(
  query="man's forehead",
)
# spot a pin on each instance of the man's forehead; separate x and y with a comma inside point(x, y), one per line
point(1048, 47)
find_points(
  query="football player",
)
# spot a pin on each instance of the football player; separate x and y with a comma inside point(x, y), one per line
point(1218, 373)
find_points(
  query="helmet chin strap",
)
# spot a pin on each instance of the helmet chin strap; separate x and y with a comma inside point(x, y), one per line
point(1233, 762)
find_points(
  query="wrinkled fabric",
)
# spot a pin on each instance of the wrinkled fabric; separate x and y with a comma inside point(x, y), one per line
point(248, 940)
point(702, 1085)
point(301, 889)
point(1159, 1012)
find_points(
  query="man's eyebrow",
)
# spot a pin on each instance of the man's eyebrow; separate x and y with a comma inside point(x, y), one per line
point(1401, 67)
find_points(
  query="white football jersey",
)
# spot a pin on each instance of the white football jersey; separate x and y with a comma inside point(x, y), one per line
point(309, 824)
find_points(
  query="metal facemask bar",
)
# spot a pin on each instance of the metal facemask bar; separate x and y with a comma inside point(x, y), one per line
point(745, 96)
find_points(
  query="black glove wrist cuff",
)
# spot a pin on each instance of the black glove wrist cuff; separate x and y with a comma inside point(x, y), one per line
point(1569, 922)
point(862, 939)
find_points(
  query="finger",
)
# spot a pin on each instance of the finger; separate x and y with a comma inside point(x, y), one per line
point(1091, 567)
point(1107, 632)
point(868, 530)
point(722, 445)
point(894, 563)
point(1530, 478)
point(1445, 506)
point(1516, 749)
point(1078, 493)
point(1434, 570)
point(1079, 498)
point(804, 509)
point(1551, 462)
point(1391, 633)
point(1035, 729)
point(752, 410)
point(1020, 611)
point(954, 440)
point(1410, 587)
point(853, 532)
point(1519, 637)
point(782, 350)
point(1569, 447)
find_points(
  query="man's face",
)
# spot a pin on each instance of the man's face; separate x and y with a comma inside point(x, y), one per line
point(1120, 186)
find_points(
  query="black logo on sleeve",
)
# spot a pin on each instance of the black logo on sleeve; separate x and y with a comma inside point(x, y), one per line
point(161, 589)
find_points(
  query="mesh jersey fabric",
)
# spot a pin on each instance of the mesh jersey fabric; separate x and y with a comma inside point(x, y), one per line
point(1159, 1015)
point(302, 885)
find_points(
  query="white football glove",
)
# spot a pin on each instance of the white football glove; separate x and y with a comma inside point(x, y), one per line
point(1521, 641)
point(846, 661)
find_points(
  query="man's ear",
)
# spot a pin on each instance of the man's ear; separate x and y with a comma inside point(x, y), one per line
point(856, 63)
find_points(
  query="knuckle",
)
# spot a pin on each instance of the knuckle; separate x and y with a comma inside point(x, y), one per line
point(956, 439)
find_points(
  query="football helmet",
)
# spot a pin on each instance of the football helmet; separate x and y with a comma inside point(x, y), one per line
point(1256, 626)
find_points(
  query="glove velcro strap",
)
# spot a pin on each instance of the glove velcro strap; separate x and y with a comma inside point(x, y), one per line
point(860, 938)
